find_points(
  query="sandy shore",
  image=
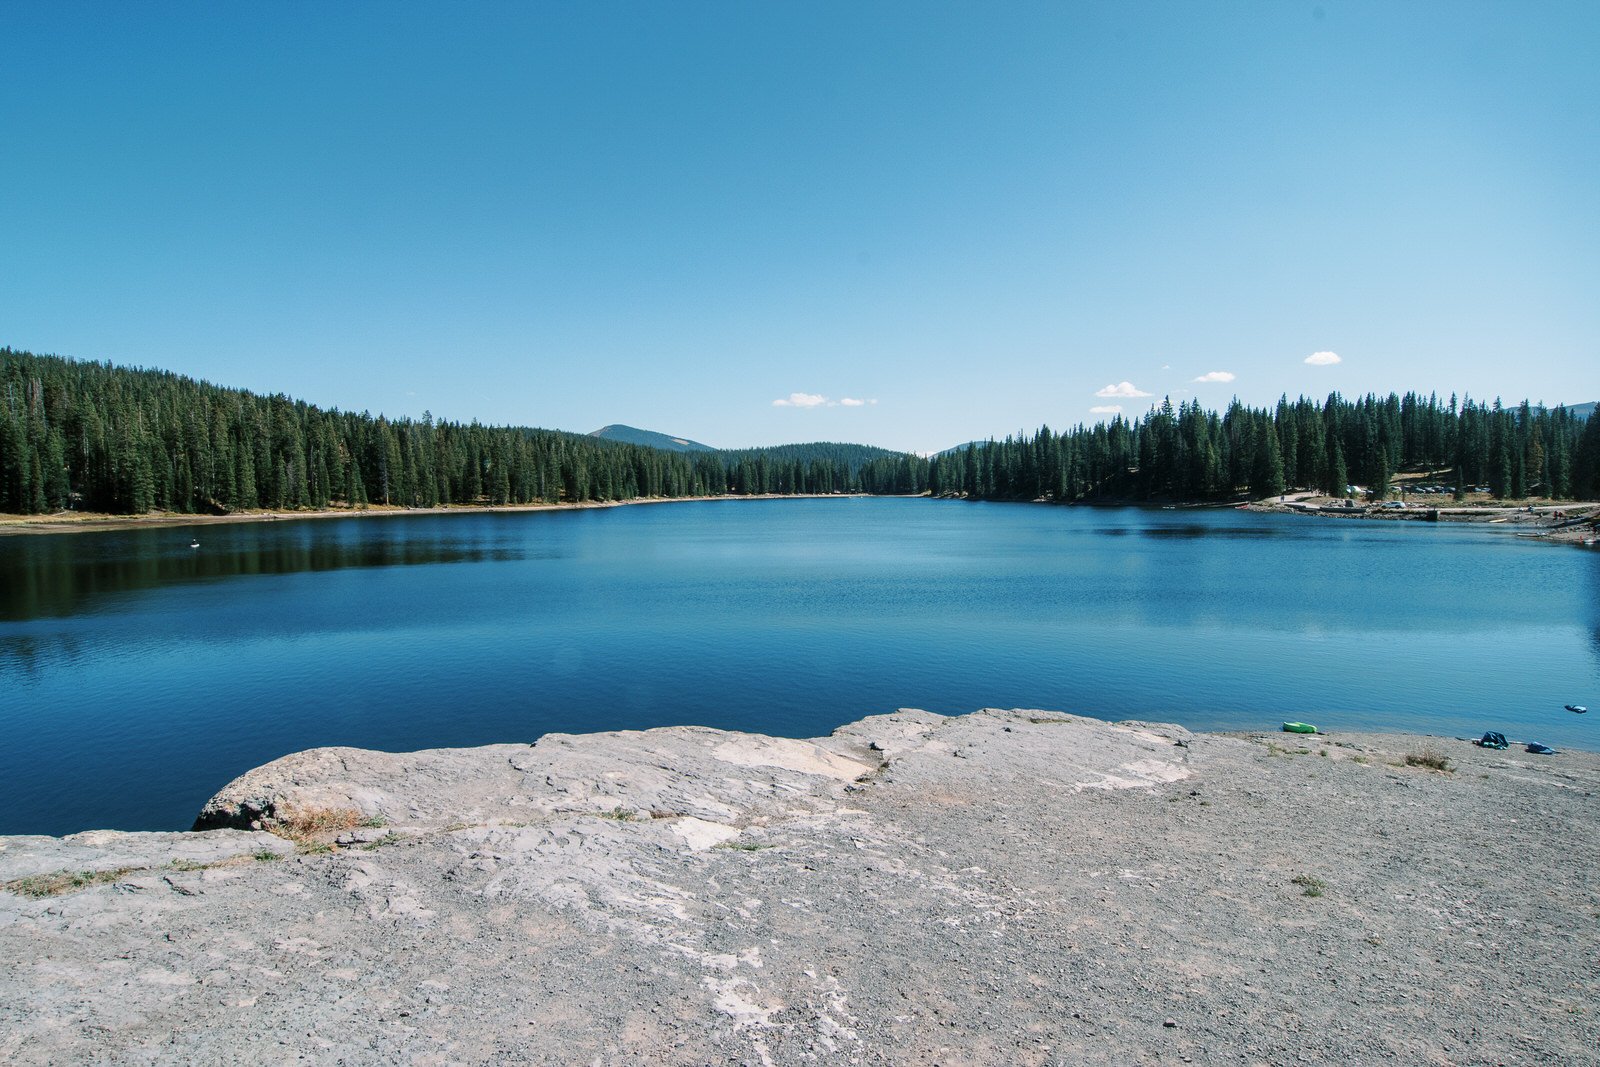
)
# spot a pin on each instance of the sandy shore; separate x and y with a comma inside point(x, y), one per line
point(88, 522)
point(1008, 887)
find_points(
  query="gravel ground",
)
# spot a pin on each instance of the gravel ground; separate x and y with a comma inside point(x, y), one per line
point(1004, 887)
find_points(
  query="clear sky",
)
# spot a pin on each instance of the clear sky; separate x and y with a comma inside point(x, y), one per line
point(913, 223)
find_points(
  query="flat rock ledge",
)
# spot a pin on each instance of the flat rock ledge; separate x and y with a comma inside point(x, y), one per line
point(1005, 887)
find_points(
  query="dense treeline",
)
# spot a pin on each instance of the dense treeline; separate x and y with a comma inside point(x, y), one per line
point(1193, 454)
point(101, 438)
point(863, 468)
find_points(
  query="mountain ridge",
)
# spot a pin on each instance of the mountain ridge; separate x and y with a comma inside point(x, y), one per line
point(633, 435)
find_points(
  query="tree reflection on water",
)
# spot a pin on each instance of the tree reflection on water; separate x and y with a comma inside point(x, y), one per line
point(55, 576)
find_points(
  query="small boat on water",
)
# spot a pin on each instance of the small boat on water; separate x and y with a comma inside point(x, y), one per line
point(1299, 728)
point(1579, 708)
point(194, 543)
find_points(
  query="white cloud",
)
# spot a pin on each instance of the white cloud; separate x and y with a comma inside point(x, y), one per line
point(1106, 409)
point(1127, 389)
point(1323, 359)
point(801, 400)
point(1217, 376)
point(852, 402)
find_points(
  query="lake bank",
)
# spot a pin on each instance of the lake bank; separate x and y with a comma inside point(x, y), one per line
point(88, 522)
point(1007, 886)
point(1561, 522)
point(1544, 516)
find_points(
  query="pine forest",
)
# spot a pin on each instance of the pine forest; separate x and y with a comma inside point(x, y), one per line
point(94, 437)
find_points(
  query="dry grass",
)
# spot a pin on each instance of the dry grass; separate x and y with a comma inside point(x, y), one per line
point(310, 826)
point(1428, 759)
point(52, 885)
point(56, 883)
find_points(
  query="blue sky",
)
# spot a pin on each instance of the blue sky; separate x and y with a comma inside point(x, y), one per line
point(971, 218)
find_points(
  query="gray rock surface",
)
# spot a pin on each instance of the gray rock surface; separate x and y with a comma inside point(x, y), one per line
point(1003, 887)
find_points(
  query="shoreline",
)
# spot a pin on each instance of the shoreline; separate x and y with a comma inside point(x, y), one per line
point(1568, 522)
point(930, 889)
point(1276, 741)
point(1577, 529)
point(71, 522)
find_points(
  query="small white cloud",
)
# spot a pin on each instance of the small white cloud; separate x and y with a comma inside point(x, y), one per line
point(1127, 389)
point(1323, 359)
point(852, 402)
point(1106, 409)
point(801, 400)
point(1217, 376)
point(1166, 366)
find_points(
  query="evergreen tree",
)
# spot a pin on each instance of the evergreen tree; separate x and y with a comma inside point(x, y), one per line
point(1381, 475)
point(1267, 477)
point(1338, 481)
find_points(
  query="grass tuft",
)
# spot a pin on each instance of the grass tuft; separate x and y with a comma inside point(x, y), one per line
point(1313, 887)
point(310, 827)
point(320, 820)
point(1429, 759)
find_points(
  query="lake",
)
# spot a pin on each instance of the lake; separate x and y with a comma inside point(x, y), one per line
point(138, 675)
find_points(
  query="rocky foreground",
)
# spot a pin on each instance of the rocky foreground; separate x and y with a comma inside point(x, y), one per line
point(1005, 887)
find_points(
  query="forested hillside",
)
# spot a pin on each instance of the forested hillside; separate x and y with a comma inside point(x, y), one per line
point(1193, 454)
point(95, 437)
point(101, 438)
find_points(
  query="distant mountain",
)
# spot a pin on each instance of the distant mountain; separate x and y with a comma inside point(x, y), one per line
point(1583, 411)
point(632, 435)
point(954, 449)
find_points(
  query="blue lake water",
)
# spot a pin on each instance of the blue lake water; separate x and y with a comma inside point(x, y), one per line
point(138, 676)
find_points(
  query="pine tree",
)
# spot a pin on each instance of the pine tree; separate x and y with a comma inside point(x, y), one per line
point(1338, 482)
point(1267, 477)
point(1380, 475)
